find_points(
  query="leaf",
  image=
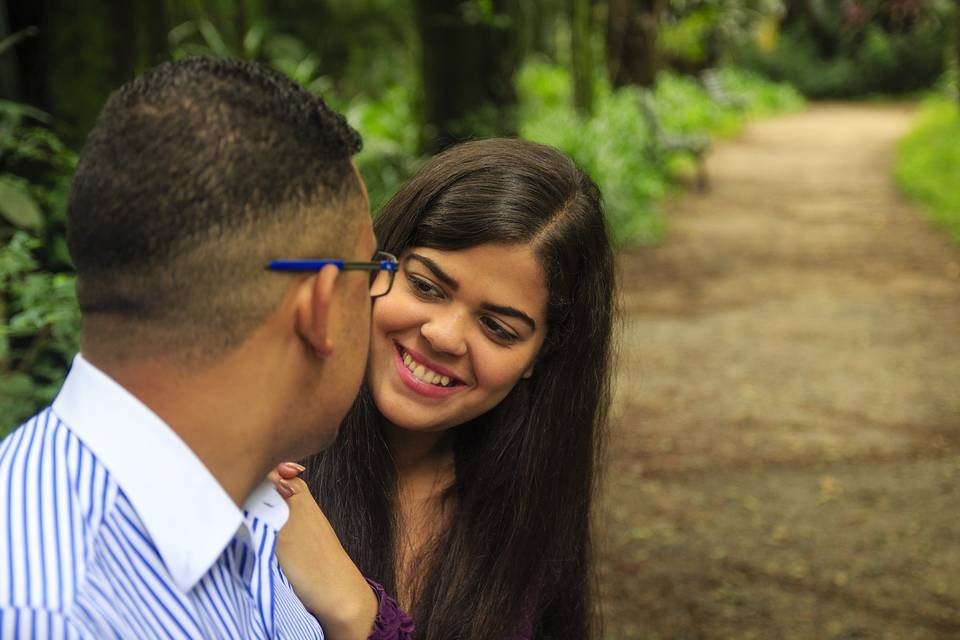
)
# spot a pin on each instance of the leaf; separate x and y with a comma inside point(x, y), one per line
point(213, 39)
point(17, 110)
point(181, 32)
point(12, 40)
point(18, 206)
point(253, 40)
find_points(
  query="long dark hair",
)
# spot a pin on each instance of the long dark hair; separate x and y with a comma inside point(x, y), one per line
point(518, 544)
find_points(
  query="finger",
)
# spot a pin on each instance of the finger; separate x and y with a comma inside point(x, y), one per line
point(289, 470)
point(284, 489)
point(299, 486)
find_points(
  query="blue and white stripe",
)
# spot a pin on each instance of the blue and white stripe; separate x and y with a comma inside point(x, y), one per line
point(76, 560)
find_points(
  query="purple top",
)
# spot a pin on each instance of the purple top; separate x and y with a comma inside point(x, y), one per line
point(393, 623)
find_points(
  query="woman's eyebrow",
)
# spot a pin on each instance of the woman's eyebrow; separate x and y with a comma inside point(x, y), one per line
point(448, 280)
point(441, 275)
point(510, 311)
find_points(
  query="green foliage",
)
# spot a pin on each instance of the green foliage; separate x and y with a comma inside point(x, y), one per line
point(856, 48)
point(389, 123)
point(762, 96)
point(928, 163)
point(39, 332)
point(699, 33)
point(614, 145)
point(391, 130)
point(283, 52)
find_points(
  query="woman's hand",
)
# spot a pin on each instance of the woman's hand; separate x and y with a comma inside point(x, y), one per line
point(322, 574)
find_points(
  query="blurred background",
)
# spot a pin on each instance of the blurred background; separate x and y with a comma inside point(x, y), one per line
point(793, 161)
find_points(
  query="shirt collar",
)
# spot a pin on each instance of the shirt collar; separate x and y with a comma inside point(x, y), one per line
point(189, 515)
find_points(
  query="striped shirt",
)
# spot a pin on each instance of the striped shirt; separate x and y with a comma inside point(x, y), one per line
point(111, 527)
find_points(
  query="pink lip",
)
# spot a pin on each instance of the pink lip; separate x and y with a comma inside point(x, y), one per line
point(423, 388)
point(423, 360)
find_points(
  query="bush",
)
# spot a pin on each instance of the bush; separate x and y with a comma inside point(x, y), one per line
point(610, 146)
point(875, 60)
point(614, 145)
point(928, 162)
point(390, 129)
point(39, 332)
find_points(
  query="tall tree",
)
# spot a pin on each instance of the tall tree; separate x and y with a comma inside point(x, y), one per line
point(468, 61)
point(632, 56)
point(582, 57)
point(82, 53)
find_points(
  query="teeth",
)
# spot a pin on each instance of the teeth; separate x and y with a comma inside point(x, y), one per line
point(424, 374)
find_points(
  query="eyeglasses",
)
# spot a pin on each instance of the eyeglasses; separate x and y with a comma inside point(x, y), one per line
point(383, 268)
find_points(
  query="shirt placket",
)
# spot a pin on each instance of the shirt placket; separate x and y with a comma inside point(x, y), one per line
point(259, 578)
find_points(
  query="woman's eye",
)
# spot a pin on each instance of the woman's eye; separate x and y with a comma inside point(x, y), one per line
point(422, 288)
point(498, 330)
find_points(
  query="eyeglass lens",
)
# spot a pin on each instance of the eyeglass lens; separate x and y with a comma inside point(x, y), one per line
point(381, 280)
point(380, 283)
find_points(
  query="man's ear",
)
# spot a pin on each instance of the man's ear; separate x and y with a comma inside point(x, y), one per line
point(313, 310)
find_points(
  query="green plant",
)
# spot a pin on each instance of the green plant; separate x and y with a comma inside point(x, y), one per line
point(856, 48)
point(39, 318)
point(928, 161)
point(391, 131)
point(613, 145)
point(283, 52)
point(39, 332)
point(610, 146)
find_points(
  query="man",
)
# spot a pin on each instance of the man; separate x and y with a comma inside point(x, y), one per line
point(133, 506)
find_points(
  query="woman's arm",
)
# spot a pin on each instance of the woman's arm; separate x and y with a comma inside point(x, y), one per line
point(324, 577)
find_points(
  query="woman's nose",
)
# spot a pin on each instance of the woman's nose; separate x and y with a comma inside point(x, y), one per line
point(445, 333)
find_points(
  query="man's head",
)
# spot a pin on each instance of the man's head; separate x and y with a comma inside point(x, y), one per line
point(196, 174)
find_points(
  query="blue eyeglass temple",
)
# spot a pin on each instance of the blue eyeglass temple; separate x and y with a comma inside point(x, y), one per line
point(311, 265)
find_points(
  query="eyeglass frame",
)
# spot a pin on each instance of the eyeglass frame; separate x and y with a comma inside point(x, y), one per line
point(389, 264)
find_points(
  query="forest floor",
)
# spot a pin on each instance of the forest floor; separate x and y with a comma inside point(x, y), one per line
point(785, 453)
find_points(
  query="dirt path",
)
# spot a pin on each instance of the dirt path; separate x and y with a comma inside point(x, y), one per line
point(786, 449)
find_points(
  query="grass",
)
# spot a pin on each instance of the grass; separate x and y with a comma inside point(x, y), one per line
point(928, 163)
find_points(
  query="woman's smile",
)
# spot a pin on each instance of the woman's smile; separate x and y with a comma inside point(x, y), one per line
point(425, 377)
point(456, 333)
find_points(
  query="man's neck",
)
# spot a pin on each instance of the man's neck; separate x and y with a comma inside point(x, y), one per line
point(213, 410)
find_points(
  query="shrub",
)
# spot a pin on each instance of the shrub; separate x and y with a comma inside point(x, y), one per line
point(39, 332)
point(614, 145)
point(928, 162)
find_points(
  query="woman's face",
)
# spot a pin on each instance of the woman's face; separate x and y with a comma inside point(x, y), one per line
point(455, 334)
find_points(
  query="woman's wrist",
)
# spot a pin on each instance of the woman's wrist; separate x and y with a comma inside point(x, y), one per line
point(355, 614)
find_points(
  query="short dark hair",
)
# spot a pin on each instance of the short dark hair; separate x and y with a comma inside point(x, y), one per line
point(194, 174)
point(518, 546)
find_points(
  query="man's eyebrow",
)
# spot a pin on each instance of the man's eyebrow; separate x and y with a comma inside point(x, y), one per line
point(441, 275)
point(513, 313)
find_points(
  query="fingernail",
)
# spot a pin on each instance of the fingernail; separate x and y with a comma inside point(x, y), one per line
point(299, 468)
point(284, 489)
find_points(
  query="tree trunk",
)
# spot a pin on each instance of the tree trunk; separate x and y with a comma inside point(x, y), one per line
point(468, 62)
point(632, 57)
point(83, 53)
point(582, 56)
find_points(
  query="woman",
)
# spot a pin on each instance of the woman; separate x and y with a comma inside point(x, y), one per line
point(463, 477)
